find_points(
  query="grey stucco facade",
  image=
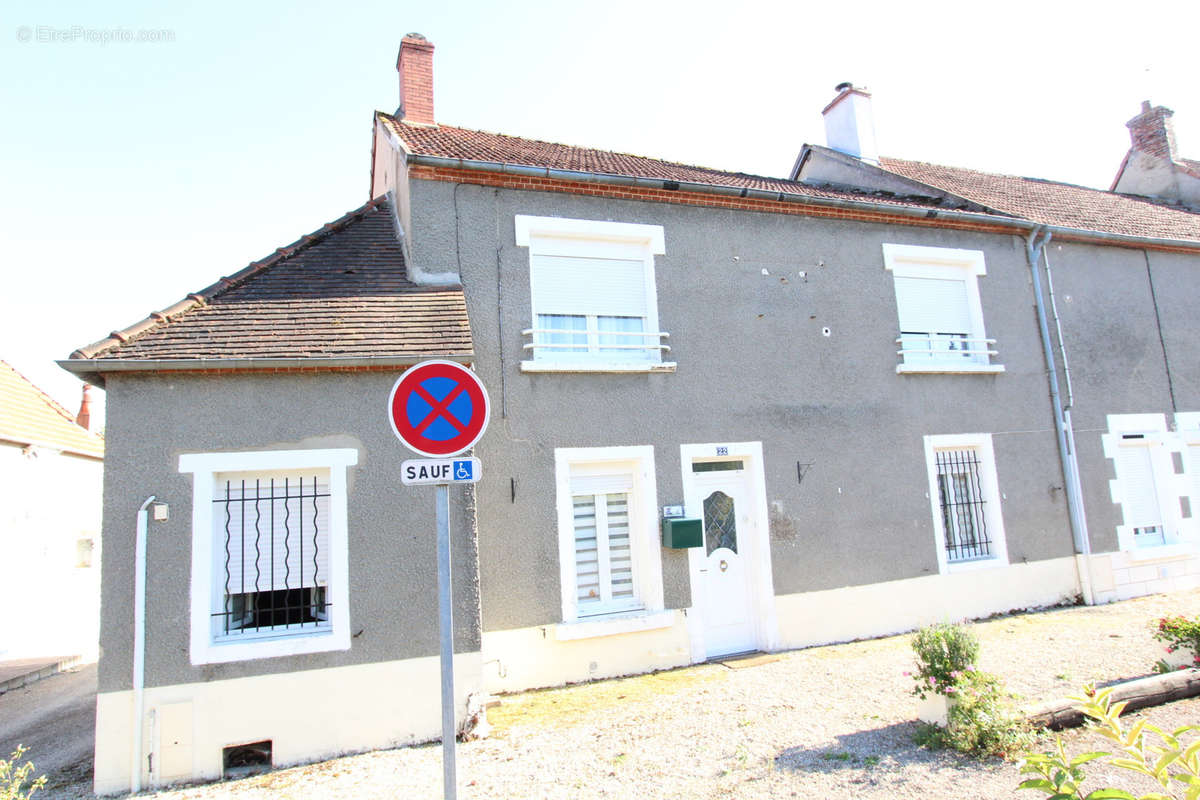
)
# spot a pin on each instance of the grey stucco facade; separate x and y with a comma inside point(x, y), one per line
point(746, 330)
point(1130, 330)
point(153, 420)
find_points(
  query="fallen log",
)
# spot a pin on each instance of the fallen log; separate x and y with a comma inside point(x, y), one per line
point(1141, 693)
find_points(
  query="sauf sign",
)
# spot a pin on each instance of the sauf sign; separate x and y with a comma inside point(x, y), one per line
point(421, 471)
point(440, 409)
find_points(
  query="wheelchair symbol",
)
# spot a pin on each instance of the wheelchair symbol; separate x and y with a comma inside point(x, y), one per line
point(462, 470)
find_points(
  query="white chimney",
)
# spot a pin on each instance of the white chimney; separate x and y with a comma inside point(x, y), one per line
point(849, 126)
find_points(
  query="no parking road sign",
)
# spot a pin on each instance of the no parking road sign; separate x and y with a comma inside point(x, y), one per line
point(438, 408)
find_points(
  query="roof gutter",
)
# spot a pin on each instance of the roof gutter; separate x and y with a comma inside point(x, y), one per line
point(92, 370)
point(1024, 227)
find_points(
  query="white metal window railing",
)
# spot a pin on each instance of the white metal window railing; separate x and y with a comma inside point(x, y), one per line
point(944, 348)
point(594, 343)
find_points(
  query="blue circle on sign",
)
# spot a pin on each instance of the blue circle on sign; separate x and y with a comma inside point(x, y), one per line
point(438, 422)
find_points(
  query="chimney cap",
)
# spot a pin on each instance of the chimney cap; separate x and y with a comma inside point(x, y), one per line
point(844, 90)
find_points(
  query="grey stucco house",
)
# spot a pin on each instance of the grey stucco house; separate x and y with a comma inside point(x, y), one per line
point(890, 392)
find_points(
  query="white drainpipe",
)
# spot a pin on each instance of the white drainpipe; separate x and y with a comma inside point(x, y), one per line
point(139, 644)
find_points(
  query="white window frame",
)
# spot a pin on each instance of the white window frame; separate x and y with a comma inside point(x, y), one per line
point(993, 519)
point(1178, 533)
point(1187, 423)
point(943, 263)
point(205, 648)
point(558, 236)
point(636, 462)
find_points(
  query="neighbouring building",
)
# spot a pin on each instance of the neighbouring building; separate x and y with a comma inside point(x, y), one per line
point(51, 474)
point(729, 413)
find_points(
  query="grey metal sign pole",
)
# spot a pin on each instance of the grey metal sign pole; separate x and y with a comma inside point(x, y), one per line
point(446, 619)
point(426, 393)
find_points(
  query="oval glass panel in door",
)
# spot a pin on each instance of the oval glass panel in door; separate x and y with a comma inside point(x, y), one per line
point(720, 527)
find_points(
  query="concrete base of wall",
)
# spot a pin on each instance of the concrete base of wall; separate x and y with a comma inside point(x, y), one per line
point(879, 609)
point(307, 716)
point(533, 657)
point(1125, 574)
point(526, 658)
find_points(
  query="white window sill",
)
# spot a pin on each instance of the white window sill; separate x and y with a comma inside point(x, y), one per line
point(225, 650)
point(1161, 552)
point(597, 366)
point(612, 625)
point(948, 369)
point(974, 566)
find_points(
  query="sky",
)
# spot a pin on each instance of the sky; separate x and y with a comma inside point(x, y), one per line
point(147, 149)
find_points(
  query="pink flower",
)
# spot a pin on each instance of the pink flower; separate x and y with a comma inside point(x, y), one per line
point(907, 673)
point(954, 674)
point(1170, 649)
point(970, 668)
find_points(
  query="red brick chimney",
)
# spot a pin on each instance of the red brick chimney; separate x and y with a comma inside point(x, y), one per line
point(84, 418)
point(1152, 132)
point(415, 65)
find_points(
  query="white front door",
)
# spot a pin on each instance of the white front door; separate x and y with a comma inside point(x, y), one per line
point(720, 496)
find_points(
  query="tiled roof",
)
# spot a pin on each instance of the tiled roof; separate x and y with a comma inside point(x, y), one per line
point(1060, 204)
point(341, 292)
point(447, 141)
point(1040, 201)
point(30, 416)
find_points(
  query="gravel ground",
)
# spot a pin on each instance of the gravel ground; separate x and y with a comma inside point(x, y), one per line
point(826, 722)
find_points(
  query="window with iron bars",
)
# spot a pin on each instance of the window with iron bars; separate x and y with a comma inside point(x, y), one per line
point(963, 502)
point(272, 553)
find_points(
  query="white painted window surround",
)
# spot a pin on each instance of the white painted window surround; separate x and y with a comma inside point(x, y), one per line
point(1187, 423)
point(984, 486)
point(938, 308)
point(207, 594)
point(609, 559)
point(1152, 494)
point(592, 295)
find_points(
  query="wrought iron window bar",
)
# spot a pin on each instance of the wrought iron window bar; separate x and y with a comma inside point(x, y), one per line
point(249, 608)
point(961, 497)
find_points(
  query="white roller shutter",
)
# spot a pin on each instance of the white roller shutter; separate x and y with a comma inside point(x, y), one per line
point(588, 286)
point(271, 537)
point(932, 305)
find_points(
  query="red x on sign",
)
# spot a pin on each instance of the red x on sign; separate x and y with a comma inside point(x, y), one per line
point(438, 408)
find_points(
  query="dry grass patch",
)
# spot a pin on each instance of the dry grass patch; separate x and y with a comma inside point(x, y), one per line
point(569, 705)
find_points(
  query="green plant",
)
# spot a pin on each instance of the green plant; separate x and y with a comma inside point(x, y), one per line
point(1180, 633)
point(13, 777)
point(945, 652)
point(981, 720)
point(1172, 762)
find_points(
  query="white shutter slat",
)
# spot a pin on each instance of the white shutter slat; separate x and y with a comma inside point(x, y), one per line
point(599, 286)
point(619, 549)
point(1140, 498)
point(932, 305)
point(298, 554)
point(587, 556)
